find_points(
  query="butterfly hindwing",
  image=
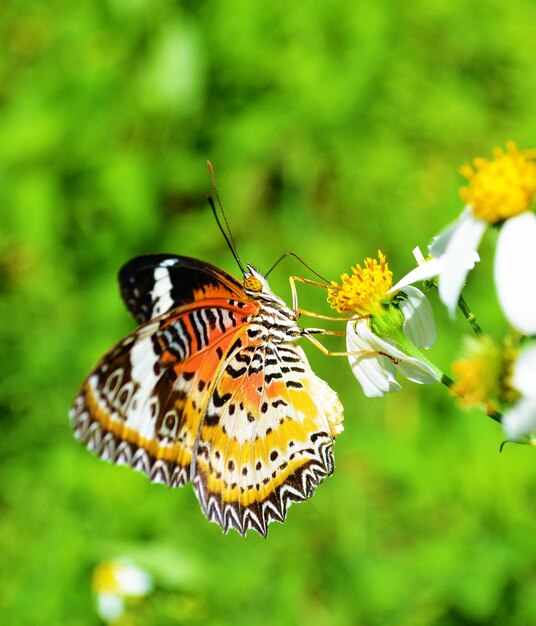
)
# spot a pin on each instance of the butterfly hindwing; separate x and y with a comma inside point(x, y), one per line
point(267, 440)
point(154, 284)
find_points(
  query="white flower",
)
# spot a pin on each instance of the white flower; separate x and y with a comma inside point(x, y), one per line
point(375, 372)
point(426, 269)
point(113, 581)
point(520, 420)
point(454, 254)
point(515, 271)
point(110, 606)
point(500, 193)
point(456, 249)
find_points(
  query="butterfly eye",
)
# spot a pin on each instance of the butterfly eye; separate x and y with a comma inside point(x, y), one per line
point(251, 283)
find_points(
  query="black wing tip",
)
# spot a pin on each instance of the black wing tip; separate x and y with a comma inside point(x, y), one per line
point(147, 261)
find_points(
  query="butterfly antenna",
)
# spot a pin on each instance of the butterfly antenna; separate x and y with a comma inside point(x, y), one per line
point(293, 254)
point(226, 232)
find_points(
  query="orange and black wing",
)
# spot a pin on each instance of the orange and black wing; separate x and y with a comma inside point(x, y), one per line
point(143, 403)
point(155, 284)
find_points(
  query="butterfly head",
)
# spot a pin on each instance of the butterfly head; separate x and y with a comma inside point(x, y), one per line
point(254, 282)
point(257, 288)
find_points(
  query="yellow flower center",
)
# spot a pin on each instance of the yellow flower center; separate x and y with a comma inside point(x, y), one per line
point(363, 291)
point(105, 578)
point(483, 375)
point(501, 187)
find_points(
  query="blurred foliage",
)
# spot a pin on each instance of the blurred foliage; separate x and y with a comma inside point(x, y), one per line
point(334, 129)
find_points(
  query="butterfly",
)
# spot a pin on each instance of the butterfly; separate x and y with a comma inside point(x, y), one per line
point(211, 389)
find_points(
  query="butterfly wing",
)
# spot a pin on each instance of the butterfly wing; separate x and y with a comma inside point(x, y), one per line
point(143, 403)
point(267, 437)
point(154, 284)
point(190, 395)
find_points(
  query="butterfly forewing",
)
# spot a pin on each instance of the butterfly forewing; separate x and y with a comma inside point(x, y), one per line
point(154, 284)
point(143, 403)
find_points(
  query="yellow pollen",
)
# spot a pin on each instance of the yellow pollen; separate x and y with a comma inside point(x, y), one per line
point(363, 291)
point(501, 187)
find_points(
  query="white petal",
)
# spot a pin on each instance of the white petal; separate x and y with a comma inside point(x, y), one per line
point(524, 377)
point(428, 269)
point(515, 271)
point(375, 374)
point(520, 420)
point(110, 606)
point(413, 369)
point(457, 248)
point(417, 371)
point(132, 580)
point(419, 325)
point(419, 256)
point(440, 243)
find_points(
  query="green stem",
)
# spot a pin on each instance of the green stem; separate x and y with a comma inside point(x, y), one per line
point(469, 315)
point(463, 306)
point(411, 350)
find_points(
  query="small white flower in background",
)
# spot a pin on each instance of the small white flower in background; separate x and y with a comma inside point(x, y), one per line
point(520, 420)
point(385, 341)
point(113, 582)
point(500, 192)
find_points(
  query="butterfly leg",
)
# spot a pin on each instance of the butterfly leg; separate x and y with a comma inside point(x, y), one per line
point(298, 311)
point(309, 332)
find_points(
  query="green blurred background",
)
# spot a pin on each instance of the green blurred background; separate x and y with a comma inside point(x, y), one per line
point(335, 129)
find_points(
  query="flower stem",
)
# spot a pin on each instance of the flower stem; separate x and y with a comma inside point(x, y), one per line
point(410, 349)
point(469, 315)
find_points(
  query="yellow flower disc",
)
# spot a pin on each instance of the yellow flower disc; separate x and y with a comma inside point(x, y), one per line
point(501, 187)
point(484, 374)
point(105, 578)
point(363, 291)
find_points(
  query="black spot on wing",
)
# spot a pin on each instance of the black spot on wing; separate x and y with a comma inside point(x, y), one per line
point(293, 384)
point(210, 316)
point(219, 401)
point(212, 419)
point(274, 376)
point(235, 373)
